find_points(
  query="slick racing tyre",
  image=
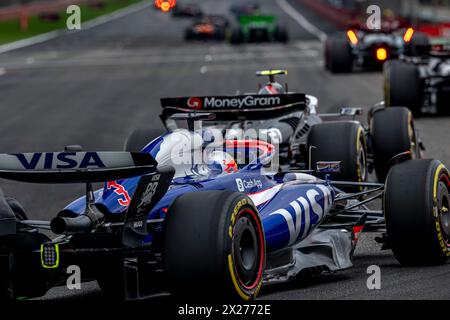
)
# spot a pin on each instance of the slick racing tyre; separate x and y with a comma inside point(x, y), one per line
point(237, 36)
point(402, 86)
point(281, 34)
point(139, 138)
point(340, 141)
point(416, 207)
point(391, 132)
point(419, 45)
point(29, 280)
point(214, 246)
point(188, 34)
point(338, 55)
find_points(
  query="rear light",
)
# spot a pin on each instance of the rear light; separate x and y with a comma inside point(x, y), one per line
point(352, 37)
point(408, 35)
point(381, 54)
point(165, 5)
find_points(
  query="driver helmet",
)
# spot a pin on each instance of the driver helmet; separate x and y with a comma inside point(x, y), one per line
point(221, 162)
point(272, 88)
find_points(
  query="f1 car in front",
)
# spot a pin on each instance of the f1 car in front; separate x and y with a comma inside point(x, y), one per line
point(211, 27)
point(186, 10)
point(365, 48)
point(420, 82)
point(258, 28)
point(303, 136)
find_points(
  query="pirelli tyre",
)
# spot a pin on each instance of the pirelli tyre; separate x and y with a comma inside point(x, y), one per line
point(281, 34)
point(237, 36)
point(416, 206)
point(402, 86)
point(338, 55)
point(214, 246)
point(419, 45)
point(30, 280)
point(391, 132)
point(340, 141)
point(189, 34)
point(139, 138)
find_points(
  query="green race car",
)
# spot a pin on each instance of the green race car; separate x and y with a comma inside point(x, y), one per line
point(258, 28)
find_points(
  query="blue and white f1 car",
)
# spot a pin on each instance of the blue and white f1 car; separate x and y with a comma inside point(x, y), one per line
point(214, 228)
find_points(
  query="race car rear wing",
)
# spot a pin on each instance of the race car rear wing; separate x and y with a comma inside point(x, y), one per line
point(231, 108)
point(75, 167)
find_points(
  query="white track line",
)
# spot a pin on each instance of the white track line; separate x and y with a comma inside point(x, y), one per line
point(85, 26)
point(301, 20)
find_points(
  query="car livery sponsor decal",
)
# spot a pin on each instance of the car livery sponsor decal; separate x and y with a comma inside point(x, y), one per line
point(61, 160)
point(246, 184)
point(195, 103)
point(240, 102)
point(303, 208)
point(120, 191)
point(150, 191)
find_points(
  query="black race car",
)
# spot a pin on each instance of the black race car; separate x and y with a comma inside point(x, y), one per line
point(189, 10)
point(369, 49)
point(299, 134)
point(244, 8)
point(421, 82)
point(211, 27)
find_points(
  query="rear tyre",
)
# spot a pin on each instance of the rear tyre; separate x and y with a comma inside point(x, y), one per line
point(220, 34)
point(214, 246)
point(338, 55)
point(17, 208)
point(419, 45)
point(237, 36)
point(402, 86)
point(416, 207)
point(188, 34)
point(26, 283)
point(281, 34)
point(111, 279)
point(139, 138)
point(391, 132)
point(340, 141)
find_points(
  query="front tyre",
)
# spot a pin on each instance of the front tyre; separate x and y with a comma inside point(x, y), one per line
point(214, 246)
point(416, 206)
point(391, 132)
point(340, 141)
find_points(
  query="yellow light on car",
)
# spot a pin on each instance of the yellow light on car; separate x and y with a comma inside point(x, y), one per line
point(408, 34)
point(352, 37)
point(381, 54)
point(165, 6)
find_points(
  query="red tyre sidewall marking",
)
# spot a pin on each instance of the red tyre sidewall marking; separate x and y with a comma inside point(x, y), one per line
point(261, 239)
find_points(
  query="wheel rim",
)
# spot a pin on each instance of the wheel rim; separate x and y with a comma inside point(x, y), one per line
point(412, 137)
point(248, 248)
point(444, 207)
point(362, 162)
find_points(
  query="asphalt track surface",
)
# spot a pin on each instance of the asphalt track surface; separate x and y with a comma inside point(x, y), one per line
point(93, 87)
